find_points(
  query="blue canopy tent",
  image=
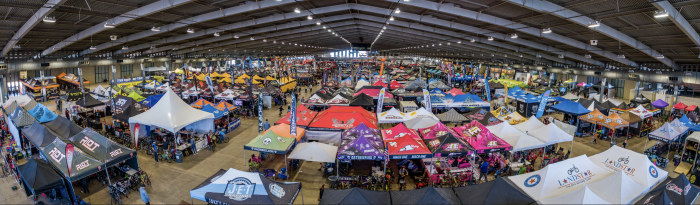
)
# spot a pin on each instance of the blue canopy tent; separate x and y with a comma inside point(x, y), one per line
point(211, 109)
point(686, 121)
point(437, 91)
point(150, 101)
point(42, 114)
point(570, 107)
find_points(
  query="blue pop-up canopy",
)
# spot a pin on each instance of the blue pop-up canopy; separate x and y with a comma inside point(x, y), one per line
point(150, 101)
point(571, 107)
point(211, 109)
point(42, 113)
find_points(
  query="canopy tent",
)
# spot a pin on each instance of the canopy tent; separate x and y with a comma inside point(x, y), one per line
point(129, 112)
point(551, 134)
point(270, 142)
point(665, 133)
point(180, 115)
point(102, 148)
point(608, 105)
point(513, 118)
point(123, 102)
point(314, 152)
point(422, 112)
point(391, 116)
point(216, 112)
point(686, 121)
point(39, 176)
point(395, 85)
point(481, 139)
point(227, 94)
point(659, 103)
point(435, 131)
point(80, 166)
point(354, 196)
point(89, 102)
point(483, 116)
point(21, 100)
point(691, 108)
point(39, 135)
point(648, 178)
point(338, 121)
point(283, 130)
point(21, 118)
point(72, 95)
point(42, 114)
point(679, 126)
point(339, 99)
point(592, 117)
point(560, 178)
point(448, 145)
point(399, 131)
point(452, 116)
point(570, 96)
point(497, 191)
point(531, 124)
point(200, 103)
point(581, 196)
point(640, 99)
point(361, 143)
point(137, 97)
point(63, 127)
point(613, 121)
point(164, 87)
point(522, 142)
point(150, 101)
point(675, 191)
point(570, 107)
point(239, 187)
point(680, 106)
point(427, 195)
point(362, 100)
point(504, 130)
point(455, 92)
point(374, 93)
point(631, 118)
point(407, 148)
point(420, 122)
point(623, 107)
point(304, 117)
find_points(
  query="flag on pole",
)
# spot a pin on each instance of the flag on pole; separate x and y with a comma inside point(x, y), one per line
point(426, 99)
point(293, 117)
point(543, 104)
point(260, 112)
point(380, 101)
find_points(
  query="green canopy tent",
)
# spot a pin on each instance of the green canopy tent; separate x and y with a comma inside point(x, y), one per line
point(270, 142)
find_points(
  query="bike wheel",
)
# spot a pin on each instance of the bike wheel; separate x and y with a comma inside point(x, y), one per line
point(226, 140)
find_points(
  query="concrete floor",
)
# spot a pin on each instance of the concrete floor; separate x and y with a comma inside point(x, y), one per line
point(171, 182)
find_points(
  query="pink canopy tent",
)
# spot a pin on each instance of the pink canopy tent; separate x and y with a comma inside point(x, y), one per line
point(455, 92)
point(436, 130)
point(481, 139)
point(399, 131)
point(395, 85)
point(581, 84)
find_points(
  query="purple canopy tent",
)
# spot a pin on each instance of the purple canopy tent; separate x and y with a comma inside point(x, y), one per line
point(659, 104)
point(361, 143)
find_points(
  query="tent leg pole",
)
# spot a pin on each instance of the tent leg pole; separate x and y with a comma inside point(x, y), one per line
point(108, 180)
point(302, 196)
point(645, 144)
point(286, 165)
point(694, 162)
point(244, 164)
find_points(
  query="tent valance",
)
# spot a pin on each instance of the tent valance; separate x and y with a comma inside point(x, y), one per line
point(239, 187)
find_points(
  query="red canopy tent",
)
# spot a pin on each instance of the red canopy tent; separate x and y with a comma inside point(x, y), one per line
point(680, 105)
point(336, 121)
point(455, 92)
point(691, 108)
point(395, 85)
point(349, 109)
point(407, 148)
point(399, 131)
point(374, 93)
point(304, 117)
point(380, 83)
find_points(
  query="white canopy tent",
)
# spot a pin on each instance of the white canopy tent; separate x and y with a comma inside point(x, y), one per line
point(522, 142)
point(531, 124)
point(21, 100)
point(392, 116)
point(314, 152)
point(641, 112)
point(665, 133)
point(571, 129)
point(99, 90)
point(551, 134)
point(338, 100)
point(194, 91)
point(513, 117)
point(504, 129)
point(580, 196)
point(422, 112)
point(420, 122)
point(636, 165)
point(570, 96)
point(618, 189)
point(228, 94)
point(560, 178)
point(360, 84)
point(173, 114)
point(164, 87)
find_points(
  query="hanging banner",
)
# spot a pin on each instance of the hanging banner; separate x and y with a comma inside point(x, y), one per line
point(543, 104)
point(293, 117)
point(380, 101)
point(487, 90)
point(208, 80)
point(260, 112)
point(137, 126)
point(325, 78)
point(426, 99)
point(69, 157)
point(449, 75)
point(505, 100)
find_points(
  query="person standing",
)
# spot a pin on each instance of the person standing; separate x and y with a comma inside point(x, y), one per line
point(266, 125)
point(194, 146)
point(83, 182)
point(144, 195)
point(484, 171)
point(155, 150)
point(624, 144)
point(320, 191)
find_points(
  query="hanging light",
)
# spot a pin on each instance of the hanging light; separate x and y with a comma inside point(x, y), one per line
point(93, 47)
point(155, 28)
point(594, 24)
point(265, 40)
point(318, 23)
point(296, 10)
point(109, 25)
point(125, 47)
point(49, 19)
point(397, 10)
point(514, 35)
point(460, 41)
point(309, 17)
point(235, 36)
point(274, 41)
point(660, 56)
point(660, 14)
point(324, 27)
point(546, 30)
point(217, 34)
point(252, 39)
point(329, 30)
point(391, 18)
point(620, 56)
point(189, 30)
point(588, 56)
point(490, 38)
point(473, 40)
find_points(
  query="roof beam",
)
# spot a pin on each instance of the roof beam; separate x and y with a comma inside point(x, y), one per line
point(679, 20)
point(36, 18)
point(119, 20)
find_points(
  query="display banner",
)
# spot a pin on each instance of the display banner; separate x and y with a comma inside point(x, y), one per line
point(325, 78)
point(488, 90)
point(260, 112)
point(543, 104)
point(426, 98)
point(380, 101)
point(69, 157)
point(137, 127)
point(293, 116)
point(233, 125)
point(449, 75)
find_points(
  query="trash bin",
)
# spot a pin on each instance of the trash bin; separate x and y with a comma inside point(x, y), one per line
point(178, 156)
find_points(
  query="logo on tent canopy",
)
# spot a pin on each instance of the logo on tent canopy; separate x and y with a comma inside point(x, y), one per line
point(653, 172)
point(239, 189)
point(532, 180)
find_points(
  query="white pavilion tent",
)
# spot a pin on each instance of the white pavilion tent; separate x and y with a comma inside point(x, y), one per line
point(172, 114)
point(531, 124)
point(618, 189)
point(636, 165)
point(314, 152)
point(551, 134)
point(392, 116)
point(581, 196)
point(422, 112)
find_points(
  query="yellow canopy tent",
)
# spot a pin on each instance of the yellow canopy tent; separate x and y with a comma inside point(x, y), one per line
point(569, 81)
point(241, 79)
point(179, 71)
point(201, 77)
point(136, 96)
point(269, 78)
point(256, 77)
point(214, 75)
point(287, 83)
point(244, 76)
point(225, 75)
point(225, 80)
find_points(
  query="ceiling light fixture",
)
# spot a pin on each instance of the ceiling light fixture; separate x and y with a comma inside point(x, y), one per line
point(189, 30)
point(309, 17)
point(594, 24)
point(490, 38)
point(155, 28)
point(109, 25)
point(274, 41)
point(391, 18)
point(93, 47)
point(324, 27)
point(265, 40)
point(660, 14)
point(296, 10)
point(514, 35)
point(125, 47)
point(397, 10)
point(252, 39)
point(620, 56)
point(546, 30)
point(235, 36)
point(473, 40)
point(217, 34)
point(588, 55)
point(318, 23)
point(49, 19)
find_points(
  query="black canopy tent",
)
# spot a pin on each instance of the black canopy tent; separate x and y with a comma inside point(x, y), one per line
point(123, 102)
point(363, 100)
point(427, 195)
point(451, 116)
point(89, 102)
point(63, 127)
point(672, 191)
point(497, 191)
point(483, 116)
point(640, 99)
point(39, 135)
point(124, 116)
point(107, 151)
point(72, 95)
point(354, 196)
point(39, 177)
point(608, 105)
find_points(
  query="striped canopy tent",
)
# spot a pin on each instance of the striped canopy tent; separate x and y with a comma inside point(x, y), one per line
point(451, 116)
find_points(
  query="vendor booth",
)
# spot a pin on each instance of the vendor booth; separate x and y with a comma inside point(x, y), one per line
point(481, 139)
point(483, 116)
point(452, 116)
point(314, 152)
point(239, 187)
point(630, 163)
point(406, 148)
point(355, 196)
point(497, 191)
point(304, 117)
point(361, 143)
point(38, 177)
point(675, 191)
point(531, 124)
point(180, 115)
point(391, 116)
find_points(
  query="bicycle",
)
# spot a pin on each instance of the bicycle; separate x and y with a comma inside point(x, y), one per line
point(165, 156)
point(144, 178)
point(116, 198)
point(572, 170)
point(624, 159)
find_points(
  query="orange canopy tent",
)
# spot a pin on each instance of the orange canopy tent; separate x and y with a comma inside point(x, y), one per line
point(200, 103)
point(223, 105)
point(283, 131)
point(592, 117)
point(613, 121)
